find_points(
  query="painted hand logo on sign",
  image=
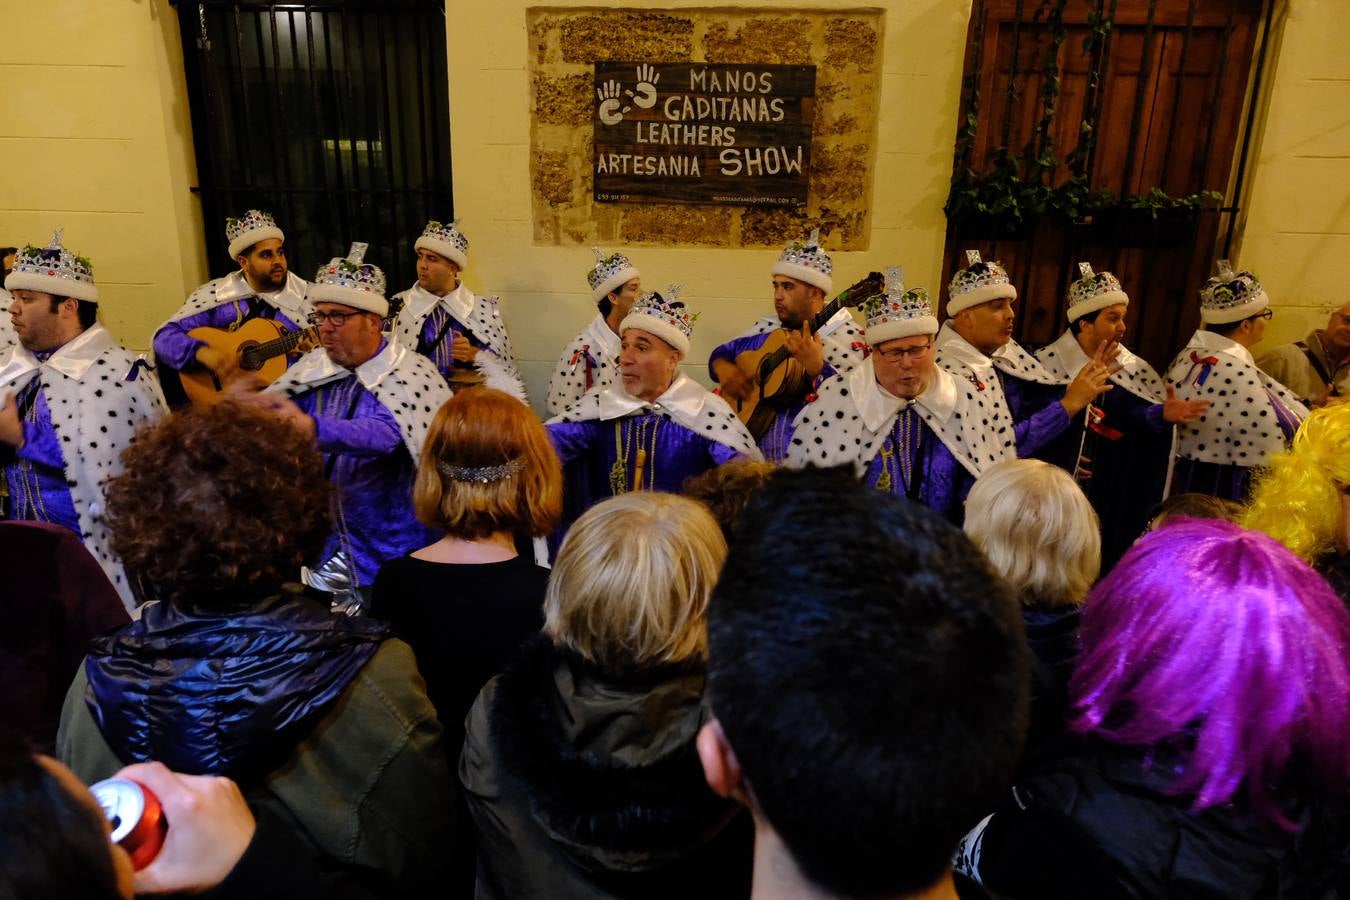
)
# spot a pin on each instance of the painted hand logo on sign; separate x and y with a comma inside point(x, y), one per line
point(736, 134)
point(611, 111)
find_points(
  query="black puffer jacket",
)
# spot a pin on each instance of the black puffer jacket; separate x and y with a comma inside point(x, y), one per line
point(583, 785)
point(1100, 824)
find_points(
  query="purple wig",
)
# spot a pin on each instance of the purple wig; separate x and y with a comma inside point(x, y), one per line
point(1222, 643)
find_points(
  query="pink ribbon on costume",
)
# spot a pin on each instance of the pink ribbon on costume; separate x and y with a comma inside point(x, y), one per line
point(1206, 365)
point(584, 354)
point(861, 345)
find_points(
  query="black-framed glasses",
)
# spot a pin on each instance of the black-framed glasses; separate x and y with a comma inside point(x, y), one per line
point(896, 354)
point(1266, 314)
point(337, 318)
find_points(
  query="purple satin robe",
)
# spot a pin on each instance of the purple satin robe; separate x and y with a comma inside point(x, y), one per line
point(372, 472)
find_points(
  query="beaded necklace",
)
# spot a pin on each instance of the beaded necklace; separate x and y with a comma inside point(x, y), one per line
point(907, 437)
point(627, 433)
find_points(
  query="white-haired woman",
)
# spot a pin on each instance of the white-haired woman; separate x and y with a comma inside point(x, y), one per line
point(579, 764)
point(1041, 534)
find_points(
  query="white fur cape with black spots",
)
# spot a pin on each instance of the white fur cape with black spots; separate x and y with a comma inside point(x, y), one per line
point(292, 300)
point(852, 415)
point(1241, 427)
point(1065, 358)
point(98, 396)
point(479, 315)
point(686, 402)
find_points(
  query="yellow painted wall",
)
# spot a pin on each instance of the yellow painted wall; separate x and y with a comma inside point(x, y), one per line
point(1297, 232)
point(95, 138)
point(543, 288)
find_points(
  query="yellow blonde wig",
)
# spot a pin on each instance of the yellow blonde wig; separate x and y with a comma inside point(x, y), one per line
point(1297, 500)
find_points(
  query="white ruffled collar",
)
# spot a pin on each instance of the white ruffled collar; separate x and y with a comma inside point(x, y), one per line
point(1216, 343)
point(71, 359)
point(683, 400)
point(878, 406)
point(598, 332)
point(953, 345)
point(316, 367)
point(459, 302)
point(290, 299)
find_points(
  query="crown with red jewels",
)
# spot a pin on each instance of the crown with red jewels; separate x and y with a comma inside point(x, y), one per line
point(896, 312)
point(1227, 289)
point(54, 270)
point(448, 234)
point(352, 272)
point(54, 261)
point(807, 255)
point(895, 304)
point(252, 220)
point(977, 274)
point(666, 308)
point(1092, 284)
point(609, 272)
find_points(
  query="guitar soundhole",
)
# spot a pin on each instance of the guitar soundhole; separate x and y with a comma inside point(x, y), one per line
point(249, 360)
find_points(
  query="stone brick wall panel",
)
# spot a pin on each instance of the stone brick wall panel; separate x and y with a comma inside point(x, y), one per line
point(564, 44)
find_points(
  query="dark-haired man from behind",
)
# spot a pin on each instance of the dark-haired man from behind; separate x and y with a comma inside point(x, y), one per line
point(898, 690)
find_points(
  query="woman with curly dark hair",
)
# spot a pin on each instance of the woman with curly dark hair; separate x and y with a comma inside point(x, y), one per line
point(237, 671)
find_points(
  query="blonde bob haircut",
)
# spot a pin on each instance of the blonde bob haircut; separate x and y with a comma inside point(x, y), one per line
point(1297, 500)
point(1038, 530)
point(631, 583)
point(475, 431)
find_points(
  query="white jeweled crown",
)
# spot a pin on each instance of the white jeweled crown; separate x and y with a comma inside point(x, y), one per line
point(664, 316)
point(1230, 296)
point(1094, 291)
point(979, 282)
point(351, 281)
point(53, 270)
point(253, 220)
point(609, 272)
point(806, 261)
point(897, 312)
point(445, 240)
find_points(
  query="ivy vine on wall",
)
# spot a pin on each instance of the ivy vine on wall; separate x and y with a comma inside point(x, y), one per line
point(1015, 190)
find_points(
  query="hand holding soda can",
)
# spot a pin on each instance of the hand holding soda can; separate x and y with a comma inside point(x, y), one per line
point(137, 819)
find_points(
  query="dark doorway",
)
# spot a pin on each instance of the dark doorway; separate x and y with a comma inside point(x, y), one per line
point(333, 115)
point(1109, 131)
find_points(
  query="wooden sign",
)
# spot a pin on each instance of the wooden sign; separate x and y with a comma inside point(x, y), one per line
point(703, 133)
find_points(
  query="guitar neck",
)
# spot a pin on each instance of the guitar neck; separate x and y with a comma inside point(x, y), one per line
point(284, 344)
point(820, 318)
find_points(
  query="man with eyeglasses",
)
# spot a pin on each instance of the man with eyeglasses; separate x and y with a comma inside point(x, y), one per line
point(1119, 448)
point(1017, 399)
point(1252, 416)
point(262, 287)
point(907, 426)
point(1317, 368)
point(368, 402)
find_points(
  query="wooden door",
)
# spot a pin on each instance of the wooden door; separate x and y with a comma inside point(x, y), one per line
point(1165, 91)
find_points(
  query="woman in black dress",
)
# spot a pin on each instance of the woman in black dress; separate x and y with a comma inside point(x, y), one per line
point(487, 476)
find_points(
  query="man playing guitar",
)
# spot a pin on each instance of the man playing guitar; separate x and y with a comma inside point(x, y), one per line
point(263, 287)
point(801, 279)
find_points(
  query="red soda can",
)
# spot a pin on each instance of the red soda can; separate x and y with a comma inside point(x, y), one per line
point(137, 819)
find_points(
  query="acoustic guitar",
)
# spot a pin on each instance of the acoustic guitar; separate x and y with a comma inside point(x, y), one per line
point(777, 380)
point(258, 346)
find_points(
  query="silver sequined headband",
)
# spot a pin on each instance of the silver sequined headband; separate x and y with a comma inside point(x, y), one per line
point(482, 474)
